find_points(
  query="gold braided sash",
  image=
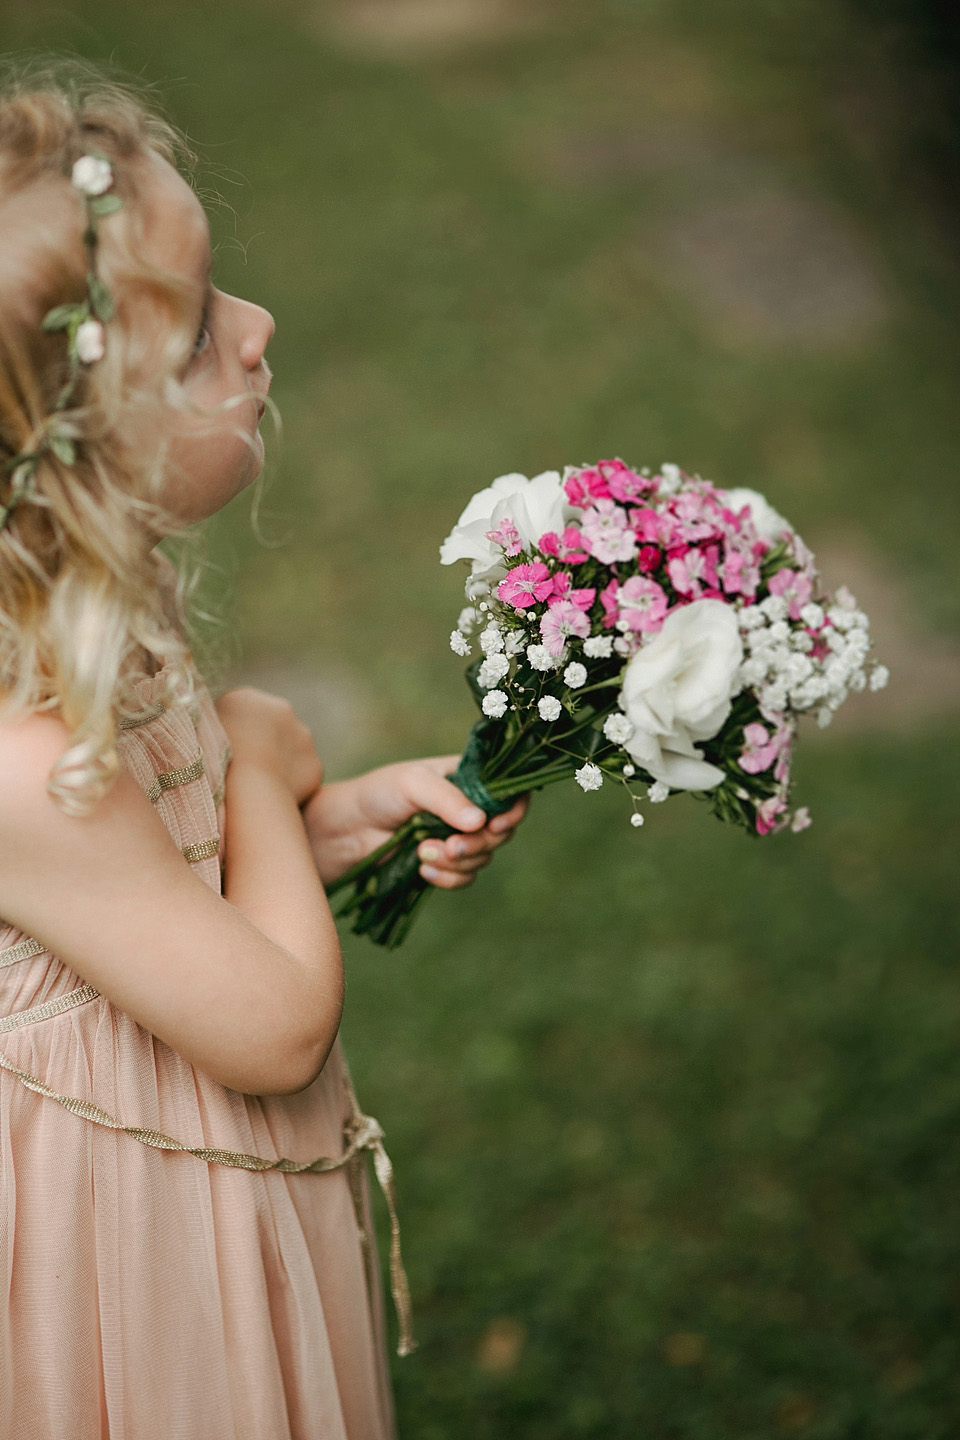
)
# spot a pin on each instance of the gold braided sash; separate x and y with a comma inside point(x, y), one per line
point(23, 951)
point(362, 1132)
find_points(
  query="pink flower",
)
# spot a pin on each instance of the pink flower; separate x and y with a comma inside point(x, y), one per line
point(565, 547)
point(768, 813)
point(624, 484)
point(562, 582)
point(781, 770)
point(526, 585)
point(649, 559)
point(608, 533)
point(692, 570)
point(795, 587)
point(642, 604)
point(608, 599)
point(646, 525)
point(562, 619)
point(586, 487)
point(740, 571)
point(506, 535)
point(696, 518)
point(760, 749)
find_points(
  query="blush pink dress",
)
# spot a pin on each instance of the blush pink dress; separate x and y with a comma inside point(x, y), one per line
point(149, 1293)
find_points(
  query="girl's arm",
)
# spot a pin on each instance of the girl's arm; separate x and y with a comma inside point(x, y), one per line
point(350, 818)
point(247, 987)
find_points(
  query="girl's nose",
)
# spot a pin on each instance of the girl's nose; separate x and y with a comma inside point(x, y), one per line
point(259, 326)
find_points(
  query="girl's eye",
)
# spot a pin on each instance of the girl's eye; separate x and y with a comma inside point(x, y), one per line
point(203, 334)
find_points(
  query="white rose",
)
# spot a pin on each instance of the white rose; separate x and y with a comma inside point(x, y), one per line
point(678, 688)
point(767, 523)
point(535, 506)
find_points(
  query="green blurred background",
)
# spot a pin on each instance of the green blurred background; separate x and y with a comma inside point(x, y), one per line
point(674, 1113)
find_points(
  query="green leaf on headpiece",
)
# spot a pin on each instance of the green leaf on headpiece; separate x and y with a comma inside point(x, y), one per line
point(100, 298)
point(104, 204)
point(60, 317)
point(64, 449)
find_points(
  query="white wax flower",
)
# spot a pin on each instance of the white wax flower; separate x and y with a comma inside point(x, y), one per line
point(549, 707)
point(494, 704)
point(535, 507)
point(575, 675)
point(458, 643)
point(768, 524)
point(539, 657)
point(598, 647)
point(658, 792)
point(589, 777)
point(677, 689)
point(879, 677)
point(92, 175)
point(617, 728)
point(492, 671)
point(670, 479)
point(491, 640)
point(636, 818)
point(90, 342)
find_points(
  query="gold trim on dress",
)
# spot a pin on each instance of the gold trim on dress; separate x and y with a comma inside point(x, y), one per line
point(47, 1010)
point(203, 850)
point(153, 712)
point(361, 1133)
point(22, 951)
point(172, 779)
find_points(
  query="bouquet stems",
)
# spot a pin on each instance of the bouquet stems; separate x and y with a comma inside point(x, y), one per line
point(382, 893)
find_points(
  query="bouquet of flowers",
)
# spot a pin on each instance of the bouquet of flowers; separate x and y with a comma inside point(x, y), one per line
point(650, 630)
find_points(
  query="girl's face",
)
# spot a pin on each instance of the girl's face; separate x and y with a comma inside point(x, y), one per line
point(215, 453)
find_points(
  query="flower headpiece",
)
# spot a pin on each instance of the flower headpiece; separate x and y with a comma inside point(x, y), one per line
point(83, 322)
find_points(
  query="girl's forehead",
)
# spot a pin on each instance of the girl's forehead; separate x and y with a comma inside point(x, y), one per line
point(176, 228)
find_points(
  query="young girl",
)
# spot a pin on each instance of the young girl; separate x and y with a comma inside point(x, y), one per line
point(184, 1232)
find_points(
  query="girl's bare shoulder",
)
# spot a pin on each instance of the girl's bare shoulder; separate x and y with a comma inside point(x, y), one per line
point(30, 746)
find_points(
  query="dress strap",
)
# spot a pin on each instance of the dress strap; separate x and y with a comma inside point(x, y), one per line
point(362, 1132)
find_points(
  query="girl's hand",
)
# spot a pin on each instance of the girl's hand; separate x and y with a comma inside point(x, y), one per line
point(347, 820)
point(264, 731)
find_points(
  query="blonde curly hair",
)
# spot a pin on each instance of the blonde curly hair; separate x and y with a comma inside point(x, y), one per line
point(88, 605)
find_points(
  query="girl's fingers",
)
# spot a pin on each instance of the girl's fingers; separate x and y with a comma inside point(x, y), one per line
point(463, 851)
point(428, 788)
point(511, 818)
point(448, 879)
point(448, 856)
point(453, 863)
point(450, 804)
